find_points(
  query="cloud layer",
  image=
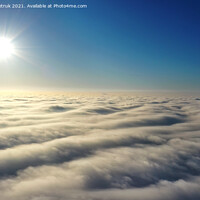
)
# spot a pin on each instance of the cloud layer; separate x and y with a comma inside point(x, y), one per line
point(102, 146)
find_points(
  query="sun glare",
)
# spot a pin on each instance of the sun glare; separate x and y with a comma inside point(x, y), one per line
point(6, 48)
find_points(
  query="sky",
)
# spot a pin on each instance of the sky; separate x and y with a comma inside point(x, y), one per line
point(111, 45)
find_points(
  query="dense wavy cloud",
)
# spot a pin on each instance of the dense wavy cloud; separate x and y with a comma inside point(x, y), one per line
point(99, 147)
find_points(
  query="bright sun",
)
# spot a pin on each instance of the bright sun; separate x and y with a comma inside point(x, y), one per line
point(6, 48)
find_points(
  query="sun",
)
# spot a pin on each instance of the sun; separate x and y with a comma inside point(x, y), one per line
point(6, 48)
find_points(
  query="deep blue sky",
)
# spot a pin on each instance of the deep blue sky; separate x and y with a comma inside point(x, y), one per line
point(113, 44)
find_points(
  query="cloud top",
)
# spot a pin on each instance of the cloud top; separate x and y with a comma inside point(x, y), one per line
point(100, 147)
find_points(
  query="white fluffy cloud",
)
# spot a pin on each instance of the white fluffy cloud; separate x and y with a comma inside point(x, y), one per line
point(99, 147)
